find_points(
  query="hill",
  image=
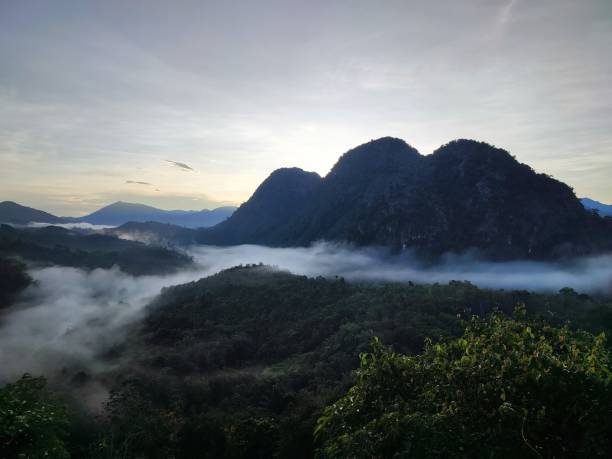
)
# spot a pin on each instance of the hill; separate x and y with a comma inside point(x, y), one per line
point(467, 195)
point(120, 212)
point(11, 212)
point(604, 210)
point(263, 219)
point(58, 246)
point(117, 214)
point(241, 364)
point(154, 233)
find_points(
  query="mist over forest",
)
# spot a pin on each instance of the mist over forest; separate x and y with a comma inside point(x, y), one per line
point(70, 317)
point(250, 338)
point(305, 230)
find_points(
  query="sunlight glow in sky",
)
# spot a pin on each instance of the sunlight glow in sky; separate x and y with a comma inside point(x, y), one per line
point(98, 95)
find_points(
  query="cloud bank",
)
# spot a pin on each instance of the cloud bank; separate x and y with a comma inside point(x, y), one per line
point(588, 274)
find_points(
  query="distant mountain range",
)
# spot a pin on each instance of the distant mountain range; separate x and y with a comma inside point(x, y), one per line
point(123, 212)
point(603, 209)
point(117, 214)
point(466, 195)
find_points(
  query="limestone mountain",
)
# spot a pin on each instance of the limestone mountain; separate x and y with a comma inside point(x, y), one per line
point(264, 219)
point(467, 195)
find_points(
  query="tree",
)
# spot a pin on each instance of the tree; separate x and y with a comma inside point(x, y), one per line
point(509, 387)
point(13, 279)
point(32, 423)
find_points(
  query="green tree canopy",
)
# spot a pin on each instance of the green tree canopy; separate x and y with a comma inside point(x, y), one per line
point(32, 423)
point(509, 387)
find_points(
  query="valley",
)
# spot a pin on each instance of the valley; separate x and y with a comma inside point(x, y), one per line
point(241, 339)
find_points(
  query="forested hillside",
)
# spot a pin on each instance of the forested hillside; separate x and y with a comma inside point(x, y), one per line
point(59, 246)
point(242, 364)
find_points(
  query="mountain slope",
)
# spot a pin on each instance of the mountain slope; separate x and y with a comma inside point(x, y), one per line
point(480, 196)
point(604, 210)
point(120, 212)
point(59, 246)
point(359, 197)
point(155, 233)
point(11, 212)
point(466, 195)
point(251, 355)
point(263, 219)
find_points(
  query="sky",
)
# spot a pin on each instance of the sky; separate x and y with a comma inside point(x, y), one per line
point(191, 104)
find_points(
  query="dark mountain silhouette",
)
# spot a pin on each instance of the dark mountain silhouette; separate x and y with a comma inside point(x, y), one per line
point(120, 212)
point(117, 214)
point(11, 212)
point(263, 219)
point(603, 209)
point(466, 195)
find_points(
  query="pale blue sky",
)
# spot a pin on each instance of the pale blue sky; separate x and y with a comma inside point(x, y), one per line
point(96, 94)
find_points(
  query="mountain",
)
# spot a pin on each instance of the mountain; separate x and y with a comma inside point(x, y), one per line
point(117, 214)
point(11, 212)
point(120, 212)
point(466, 195)
point(263, 218)
point(604, 210)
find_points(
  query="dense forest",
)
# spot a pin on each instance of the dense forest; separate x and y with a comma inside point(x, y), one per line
point(13, 279)
point(245, 362)
point(53, 245)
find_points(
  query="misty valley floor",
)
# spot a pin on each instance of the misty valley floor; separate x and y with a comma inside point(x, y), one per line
point(86, 312)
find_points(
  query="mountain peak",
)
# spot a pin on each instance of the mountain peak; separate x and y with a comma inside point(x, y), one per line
point(121, 212)
point(281, 197)
point(383, 146)
point(473, 149)
point(466, 195)
point(287, 181)
point(291, 174)
point(128, 206)
point(380, 156)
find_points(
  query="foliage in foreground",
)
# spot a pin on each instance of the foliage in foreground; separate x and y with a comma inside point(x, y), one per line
point(32, 423)
point(507, 388)
point(243, 363)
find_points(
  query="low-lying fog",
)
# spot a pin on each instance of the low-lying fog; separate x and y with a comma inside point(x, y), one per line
point(73, 225)
point(69, 316)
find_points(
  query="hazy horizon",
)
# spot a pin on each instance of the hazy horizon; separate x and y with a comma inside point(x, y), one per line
point(192, 106)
